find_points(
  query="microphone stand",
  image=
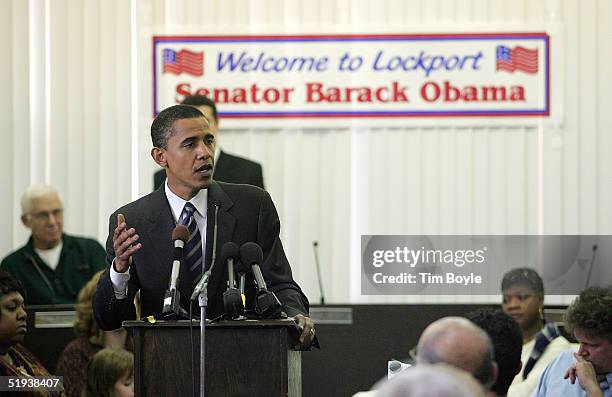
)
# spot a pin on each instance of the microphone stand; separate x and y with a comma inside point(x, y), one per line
point(201, 291)
point(203, 301)
point(315, 244)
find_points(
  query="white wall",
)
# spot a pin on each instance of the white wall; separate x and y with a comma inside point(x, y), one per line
point(76, 112)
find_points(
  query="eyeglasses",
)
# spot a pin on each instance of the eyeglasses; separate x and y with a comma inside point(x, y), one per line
point(46, 215)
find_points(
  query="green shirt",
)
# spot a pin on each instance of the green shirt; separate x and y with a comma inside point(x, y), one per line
point(79, 260)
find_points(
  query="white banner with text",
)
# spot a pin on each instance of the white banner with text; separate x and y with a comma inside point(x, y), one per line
point(256, 78)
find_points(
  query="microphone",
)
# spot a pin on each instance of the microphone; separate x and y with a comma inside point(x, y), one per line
point(315, 244)
point(172, 298)
point(268, 305)
point(232, 302)
point(591, 266)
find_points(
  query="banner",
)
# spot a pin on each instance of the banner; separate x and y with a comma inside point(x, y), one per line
point(348, 76)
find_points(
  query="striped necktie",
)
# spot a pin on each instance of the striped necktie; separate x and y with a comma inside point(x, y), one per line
point(193, 248)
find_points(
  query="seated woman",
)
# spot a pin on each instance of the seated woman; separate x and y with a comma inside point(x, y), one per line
point(110, 373)
point(523, 294)
point(16, 360)
point(73, 360)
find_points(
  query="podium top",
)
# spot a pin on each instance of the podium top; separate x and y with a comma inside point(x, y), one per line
point(289, 323)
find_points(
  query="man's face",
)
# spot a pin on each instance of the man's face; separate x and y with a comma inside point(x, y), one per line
point(12, 320)
point(208, 112)
point(595, 349)
point(188, 157)
point(45, 219)
point(523, 305)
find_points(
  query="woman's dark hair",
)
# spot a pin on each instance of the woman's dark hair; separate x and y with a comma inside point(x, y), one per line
point(523, 276)
point(10, 284)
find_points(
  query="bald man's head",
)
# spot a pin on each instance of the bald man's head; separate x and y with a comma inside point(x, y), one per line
point(458, 342)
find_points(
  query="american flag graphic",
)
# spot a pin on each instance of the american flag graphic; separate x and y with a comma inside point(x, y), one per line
point(183, 61)
point(517, 58)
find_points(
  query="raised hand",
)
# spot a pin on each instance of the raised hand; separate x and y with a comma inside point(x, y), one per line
point(125, 244)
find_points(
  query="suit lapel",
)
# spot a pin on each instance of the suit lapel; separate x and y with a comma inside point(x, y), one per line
point(160, 225)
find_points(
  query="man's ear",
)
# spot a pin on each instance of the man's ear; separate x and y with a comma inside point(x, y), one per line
point(494, 373)
point(159, 156)
point(25, 219)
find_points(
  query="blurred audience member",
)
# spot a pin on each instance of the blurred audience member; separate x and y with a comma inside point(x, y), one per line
point(432, 380)
point(110, 373)
point(588, 371)
point(460, 343)
point(16, 360)
point(507, 340)
point(91, 339)
point(52, 266)
point(523, 300)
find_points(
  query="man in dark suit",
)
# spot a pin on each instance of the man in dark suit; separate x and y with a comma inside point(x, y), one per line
point(228, 168)
point(139, 247)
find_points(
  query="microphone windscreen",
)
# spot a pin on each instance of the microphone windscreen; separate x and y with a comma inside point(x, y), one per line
point(180, 233)
point(240, 267)
point(250, 253)
point(230, 250)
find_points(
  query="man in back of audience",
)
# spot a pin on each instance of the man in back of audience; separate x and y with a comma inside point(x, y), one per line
point(507, 339)
point(587, 372)
point(52, 266)
point(458, 342)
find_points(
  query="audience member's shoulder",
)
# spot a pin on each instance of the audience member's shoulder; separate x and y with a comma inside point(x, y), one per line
point(79, 344)
point(559, 343)
point(564, 357)
point(80, 240)
point(10, 259)
point(242, 190)
point(243, 160)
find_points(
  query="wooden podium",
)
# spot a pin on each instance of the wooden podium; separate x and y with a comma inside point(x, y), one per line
point(243, 358)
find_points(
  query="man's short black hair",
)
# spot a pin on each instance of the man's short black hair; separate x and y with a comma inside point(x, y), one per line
point(201, 100)
point(9, 284)
point(161, 128)
point(592, 312)
point(507, 339)
point(523, 276)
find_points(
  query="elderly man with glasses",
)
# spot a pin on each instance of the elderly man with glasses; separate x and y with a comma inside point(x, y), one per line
point(52, 266)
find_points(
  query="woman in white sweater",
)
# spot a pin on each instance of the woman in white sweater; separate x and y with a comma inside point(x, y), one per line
point(523, 300)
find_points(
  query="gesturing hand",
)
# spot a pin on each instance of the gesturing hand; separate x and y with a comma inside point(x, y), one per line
point(124, 240)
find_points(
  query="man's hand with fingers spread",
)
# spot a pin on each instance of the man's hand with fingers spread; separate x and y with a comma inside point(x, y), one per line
point(125, 245)
point(586, 375)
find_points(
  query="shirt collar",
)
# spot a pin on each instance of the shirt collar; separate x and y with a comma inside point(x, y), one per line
point(199, 201)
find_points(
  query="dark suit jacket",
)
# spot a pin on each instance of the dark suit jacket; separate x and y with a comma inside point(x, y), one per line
point(245, 214)
point(228, 168)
